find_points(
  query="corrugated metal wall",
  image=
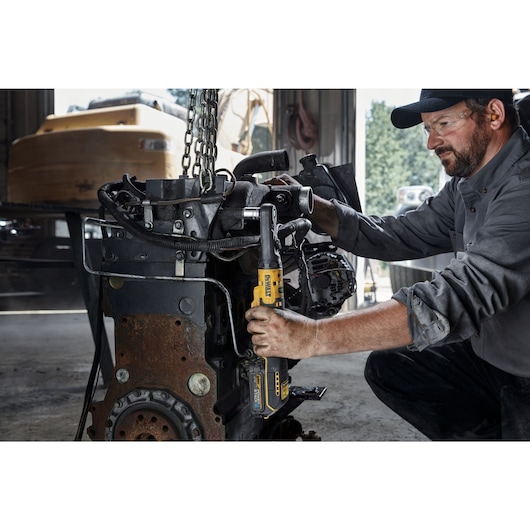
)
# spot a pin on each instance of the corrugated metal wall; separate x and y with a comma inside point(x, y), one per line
point(21, 112)
point(332, 111)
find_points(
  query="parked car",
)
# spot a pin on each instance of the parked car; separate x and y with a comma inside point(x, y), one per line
point(410, 197)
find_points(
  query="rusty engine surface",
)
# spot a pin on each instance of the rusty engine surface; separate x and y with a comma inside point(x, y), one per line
point(177, 265)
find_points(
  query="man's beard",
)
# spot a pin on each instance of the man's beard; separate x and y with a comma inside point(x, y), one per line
point(466, 161)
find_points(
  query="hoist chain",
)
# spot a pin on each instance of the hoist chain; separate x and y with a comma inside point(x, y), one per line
point(206, 143)
point(188, 137)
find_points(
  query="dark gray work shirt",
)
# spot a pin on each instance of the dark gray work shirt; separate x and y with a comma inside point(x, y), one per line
point(484, 293)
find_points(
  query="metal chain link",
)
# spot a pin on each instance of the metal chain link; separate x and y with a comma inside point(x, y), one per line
point(206, 143)
point(188, 137)
point(197, 166)
point(209, 100)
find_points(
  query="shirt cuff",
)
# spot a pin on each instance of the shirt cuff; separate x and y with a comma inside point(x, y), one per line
point(426, 325)
point(348, 226)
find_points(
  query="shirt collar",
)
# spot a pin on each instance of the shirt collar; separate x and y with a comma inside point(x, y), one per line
point(517, 145)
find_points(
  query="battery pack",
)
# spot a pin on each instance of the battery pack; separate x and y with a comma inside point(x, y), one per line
point(269, 385)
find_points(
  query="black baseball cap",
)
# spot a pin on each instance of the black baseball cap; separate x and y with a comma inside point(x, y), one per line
point(434, 99)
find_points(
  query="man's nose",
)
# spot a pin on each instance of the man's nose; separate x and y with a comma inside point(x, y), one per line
point(433, 140)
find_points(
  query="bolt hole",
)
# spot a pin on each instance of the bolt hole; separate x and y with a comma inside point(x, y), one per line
point(178, 323)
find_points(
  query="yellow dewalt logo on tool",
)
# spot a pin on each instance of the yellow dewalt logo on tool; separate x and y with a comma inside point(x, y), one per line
point(269, 290)
point(268, 285)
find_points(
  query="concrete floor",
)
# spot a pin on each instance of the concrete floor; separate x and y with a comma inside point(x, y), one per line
point(45, 360)
point(46, 357)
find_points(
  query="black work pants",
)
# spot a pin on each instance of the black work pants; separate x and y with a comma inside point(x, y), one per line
point(449, 393)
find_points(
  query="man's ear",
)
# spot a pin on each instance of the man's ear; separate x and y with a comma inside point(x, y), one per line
point(497, 114)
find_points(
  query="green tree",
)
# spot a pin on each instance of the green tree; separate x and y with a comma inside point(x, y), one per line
point(423, 165)
point(181, 95)
point(394, 158)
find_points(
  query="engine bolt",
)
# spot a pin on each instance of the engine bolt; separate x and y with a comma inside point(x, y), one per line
point(122, 375)
point(199, 384)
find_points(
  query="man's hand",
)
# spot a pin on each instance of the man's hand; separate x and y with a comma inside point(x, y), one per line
point(324, 213)
point(281, 333)
point(284, 333)
point(282, 180)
